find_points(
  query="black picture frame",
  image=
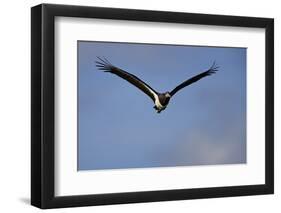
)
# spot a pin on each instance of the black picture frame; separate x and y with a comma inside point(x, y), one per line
point(43, 102)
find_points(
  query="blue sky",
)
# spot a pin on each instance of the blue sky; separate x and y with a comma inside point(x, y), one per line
point(204, 124)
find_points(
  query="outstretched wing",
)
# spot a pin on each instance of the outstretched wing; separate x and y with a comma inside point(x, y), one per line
point(106, 66)
point(213, 69)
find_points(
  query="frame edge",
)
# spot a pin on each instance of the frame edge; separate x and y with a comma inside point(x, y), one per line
point(269, 116)
point(36, 60)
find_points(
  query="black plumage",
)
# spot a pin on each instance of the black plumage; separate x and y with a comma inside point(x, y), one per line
point(192, 80)
point(106, 66)
point(160, 100)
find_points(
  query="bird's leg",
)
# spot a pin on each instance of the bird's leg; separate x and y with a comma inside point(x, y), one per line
point(156, 108)
point(159, 110)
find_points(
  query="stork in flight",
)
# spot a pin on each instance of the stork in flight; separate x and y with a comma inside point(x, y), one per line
point(161, 100)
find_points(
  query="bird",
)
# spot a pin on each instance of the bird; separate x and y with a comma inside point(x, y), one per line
point(161, 100)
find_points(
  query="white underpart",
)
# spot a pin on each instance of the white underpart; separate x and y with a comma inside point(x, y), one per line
point(158, 104)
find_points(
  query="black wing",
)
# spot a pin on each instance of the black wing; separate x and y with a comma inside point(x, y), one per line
point(106, 66)
point(210, 71)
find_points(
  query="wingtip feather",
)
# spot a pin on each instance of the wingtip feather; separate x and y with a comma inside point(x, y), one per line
point(103, 64)
point(213, 69)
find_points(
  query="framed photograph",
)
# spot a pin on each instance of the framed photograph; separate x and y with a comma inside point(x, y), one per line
point(139, 106)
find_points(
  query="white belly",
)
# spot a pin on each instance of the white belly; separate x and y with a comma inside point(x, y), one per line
point(158, 104)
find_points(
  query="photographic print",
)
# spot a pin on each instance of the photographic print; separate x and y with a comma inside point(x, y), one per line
point(160, 105)
point(131, 106)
